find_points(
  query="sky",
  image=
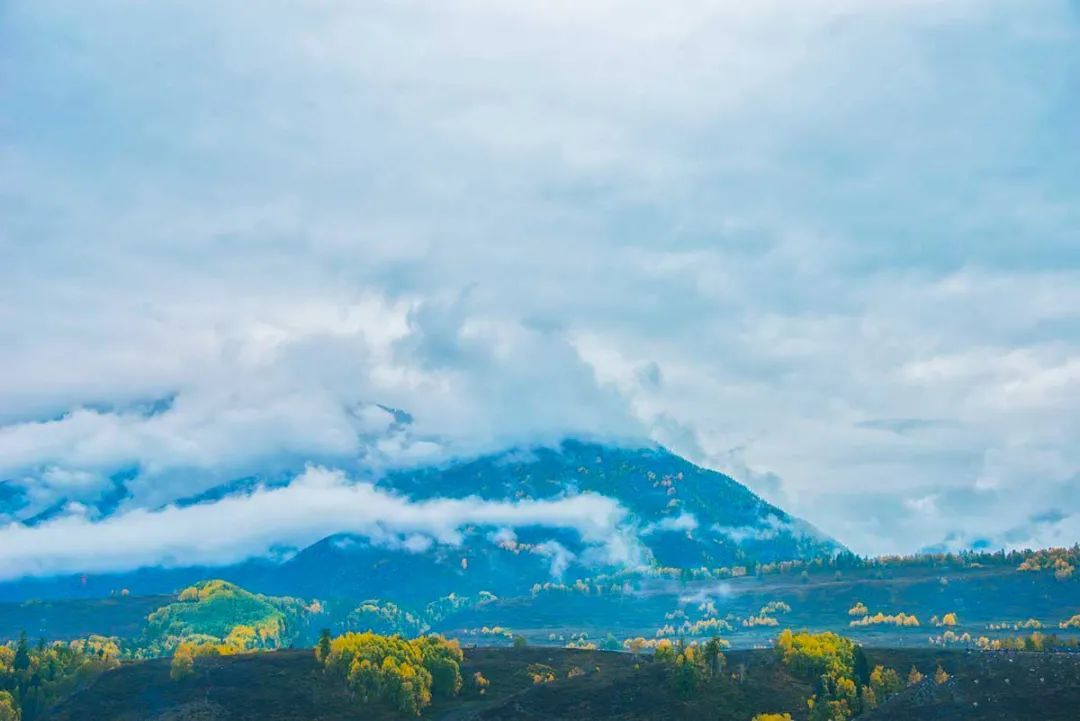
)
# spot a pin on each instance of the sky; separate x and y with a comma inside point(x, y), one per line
point(828, 247)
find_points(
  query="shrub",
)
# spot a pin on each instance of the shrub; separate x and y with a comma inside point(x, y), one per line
point(479, 684)
point(540, 673)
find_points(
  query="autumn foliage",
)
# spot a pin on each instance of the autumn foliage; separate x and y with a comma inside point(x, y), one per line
point(404, 674)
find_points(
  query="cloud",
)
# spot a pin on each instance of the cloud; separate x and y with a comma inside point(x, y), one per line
point(770, 528)
point(316, 504)
point(682, 523)
point(711, 224)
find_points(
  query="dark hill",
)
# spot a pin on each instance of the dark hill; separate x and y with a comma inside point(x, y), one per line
point(288, 685)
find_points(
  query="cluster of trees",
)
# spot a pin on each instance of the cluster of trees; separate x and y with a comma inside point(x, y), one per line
point(541, 673)
point(663, 646)
point(1062, 561)
point(582, 586)
point(951, 638)
point(452, 603)
point(1035, 642)
point(581, 640)
point(221, 613)
point(881, 619)
point(385, 617)
point(32, 677)
point(766, 616)
point(241, 639)
point(692, 664)
point(701, 627)
point(491, 632)
point(404, 674)
point(844, 685)
point(1031, 623)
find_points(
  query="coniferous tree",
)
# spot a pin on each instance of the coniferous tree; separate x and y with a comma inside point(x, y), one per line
point(21, 661)
point(323, 649)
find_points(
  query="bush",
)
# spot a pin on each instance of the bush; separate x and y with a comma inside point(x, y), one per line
point(479, 684)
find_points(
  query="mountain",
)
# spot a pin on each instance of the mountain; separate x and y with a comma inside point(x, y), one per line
point(690, 516)
point(678, 515)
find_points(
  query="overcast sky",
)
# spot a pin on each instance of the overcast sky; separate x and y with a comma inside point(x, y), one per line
point(829, 247)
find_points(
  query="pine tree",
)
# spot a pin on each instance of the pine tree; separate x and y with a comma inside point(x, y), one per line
point(21, 662)
point(322, 652)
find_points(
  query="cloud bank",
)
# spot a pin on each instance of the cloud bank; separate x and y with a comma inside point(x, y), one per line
point(316, 503)
point(826, 246)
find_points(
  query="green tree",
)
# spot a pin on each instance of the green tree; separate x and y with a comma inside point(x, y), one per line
point(884, 682)
point(322, 651)
point(861, 668)
point(714, 657)
point(8, 710)
point(442, 659)
point(22, 654)
point(689, 670)
point(394, 670)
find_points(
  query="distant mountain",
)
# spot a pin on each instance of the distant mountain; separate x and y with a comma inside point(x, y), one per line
point(679, 515)
point(689, 516)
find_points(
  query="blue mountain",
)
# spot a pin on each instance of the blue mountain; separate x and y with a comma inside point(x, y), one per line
point(679, 515)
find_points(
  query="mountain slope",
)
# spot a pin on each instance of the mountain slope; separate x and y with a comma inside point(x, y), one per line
point(678, 515)
point(675, 500)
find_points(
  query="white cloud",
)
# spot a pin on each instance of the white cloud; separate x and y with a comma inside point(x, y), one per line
point(316, 504)
point(684, 522)
point(770, 528)
point(757, 232)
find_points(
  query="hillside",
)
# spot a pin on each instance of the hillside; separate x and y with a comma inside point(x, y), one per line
point(690, 516)
point(289, 686)
point(987, 595)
